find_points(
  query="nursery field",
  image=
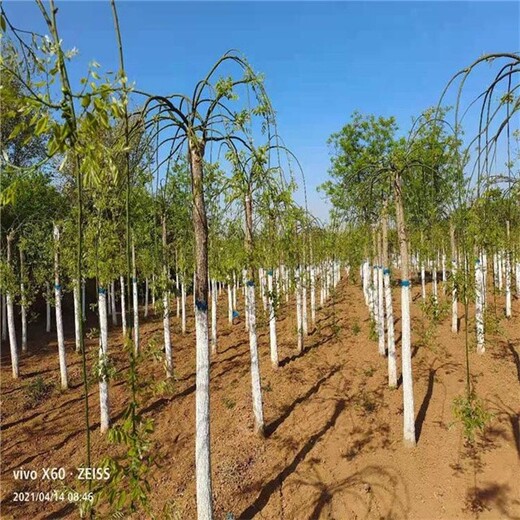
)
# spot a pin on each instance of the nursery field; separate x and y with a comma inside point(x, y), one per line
point(333, 427)
point(285, 289)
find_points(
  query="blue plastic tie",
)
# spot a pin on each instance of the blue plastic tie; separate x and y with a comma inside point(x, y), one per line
point(405, 283)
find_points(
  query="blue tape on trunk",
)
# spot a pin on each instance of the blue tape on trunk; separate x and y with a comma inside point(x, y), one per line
point(405, 283)
point(250, 283)
point(57, 286)
point(101, 291)
point(386, 271)
point(270, 272)
point(201, 306)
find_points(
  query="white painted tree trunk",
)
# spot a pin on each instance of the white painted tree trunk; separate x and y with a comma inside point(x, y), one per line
point(454, 303)
point(485, 277)
point(507, 282)
point(479, 307)
point(408, 398)
point(23, 312)
point(77, 313)
point(123, 304)
point(313, 295)
point(113, 303)
point(154, 290)
point(273, 342)
point(177, 299)
point(104, 406)
point(444, 278)
point(167, 335)
point(371, 293)
point(256, 387)
point(305, 327)
point(380, 312)
point(146, 292)
point(202, 410)
point(48, 307)
point(59, 317)
point(392, 365)
point(214, 294)
point(495, 269)
point(434, 281)
point(500, 264)
point(135, 303)
point(183, 307)
point(299, 312)
point(13, 345)
point(322, 288)
point(246, 306)
point(230, 303)
point(423, 281)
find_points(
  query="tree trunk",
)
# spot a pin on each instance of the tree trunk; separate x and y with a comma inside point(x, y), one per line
point(380, 303)
point(59, 317)
point(166, 305)
point(48, 306)
point(313, 295)
point(273, 343)
point(230, 303)
point(146, 292)
point(408, 398)
point(83, 303)
point(104, 407)
point(77, 314)
point(10, 316)
point(299, 312)
point(214, 294)
point(202, 393)
point(183, 306)
point(135, 302)
point(113, 302)
point(123, 304)
point(454, 303)
point(256, 387)
point(479, 307)
point(392, 366)
point(507, 268)
point(23, 303)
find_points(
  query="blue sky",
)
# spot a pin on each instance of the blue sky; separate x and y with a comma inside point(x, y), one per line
point(321, 60)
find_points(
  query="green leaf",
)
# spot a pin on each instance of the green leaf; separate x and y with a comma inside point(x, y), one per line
point(2, 23)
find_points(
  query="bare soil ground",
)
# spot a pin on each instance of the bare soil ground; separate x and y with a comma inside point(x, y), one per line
point(333, 447)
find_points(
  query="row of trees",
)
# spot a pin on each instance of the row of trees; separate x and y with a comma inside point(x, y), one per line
point(448, 223)
point(171, 194)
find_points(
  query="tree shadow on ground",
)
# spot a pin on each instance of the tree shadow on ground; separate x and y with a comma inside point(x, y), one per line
point(305, 350)
point(516, 358)
point(271, 427)
point(272, 485)
point(374, 490)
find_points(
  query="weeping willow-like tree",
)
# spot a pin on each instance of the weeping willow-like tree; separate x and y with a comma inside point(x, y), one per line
point(210, 118)
point(490, 172)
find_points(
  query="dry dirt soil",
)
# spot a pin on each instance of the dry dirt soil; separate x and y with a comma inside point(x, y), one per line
point(333, 445)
